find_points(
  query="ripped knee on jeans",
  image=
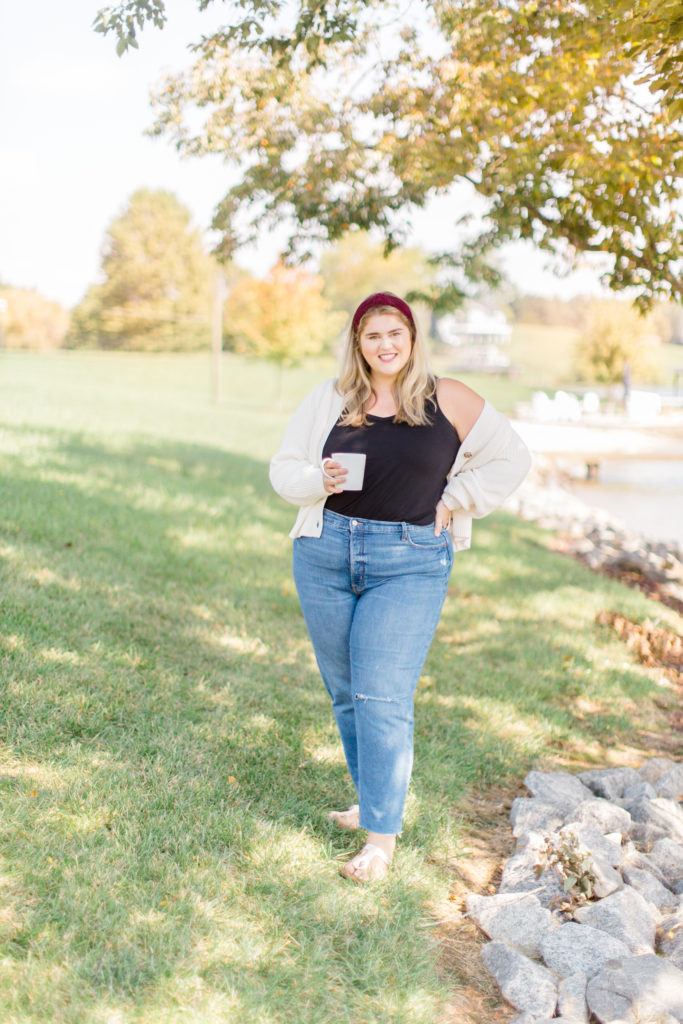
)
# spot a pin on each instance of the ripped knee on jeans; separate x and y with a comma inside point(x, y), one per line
point(380, 700)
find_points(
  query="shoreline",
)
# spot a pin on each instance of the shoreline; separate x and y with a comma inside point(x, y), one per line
point(566, 455)
point(608, 436)
point(600, 540)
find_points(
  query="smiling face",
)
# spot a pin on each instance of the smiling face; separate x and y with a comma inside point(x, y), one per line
point(385, 343)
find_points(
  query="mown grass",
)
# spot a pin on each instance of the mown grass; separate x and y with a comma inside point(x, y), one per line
point(168, 754)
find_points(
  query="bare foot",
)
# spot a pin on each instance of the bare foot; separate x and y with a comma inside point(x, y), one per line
point(349, 819)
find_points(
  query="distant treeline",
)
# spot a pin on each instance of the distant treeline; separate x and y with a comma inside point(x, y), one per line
point(159, 289)
point(664, 323)
point(537, 309)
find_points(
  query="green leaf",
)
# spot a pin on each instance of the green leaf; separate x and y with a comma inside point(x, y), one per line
point(566, 155)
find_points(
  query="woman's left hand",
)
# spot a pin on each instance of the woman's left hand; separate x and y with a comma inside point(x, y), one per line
point(442, 518)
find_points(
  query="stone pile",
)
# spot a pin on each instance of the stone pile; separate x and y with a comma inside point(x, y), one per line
point(615, 957)
point(602, 541)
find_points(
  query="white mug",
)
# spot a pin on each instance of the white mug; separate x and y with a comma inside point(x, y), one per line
point(354, 462)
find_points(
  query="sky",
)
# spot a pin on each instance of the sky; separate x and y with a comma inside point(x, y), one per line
point(73, 150)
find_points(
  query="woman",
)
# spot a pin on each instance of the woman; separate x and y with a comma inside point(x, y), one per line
point(371, 566)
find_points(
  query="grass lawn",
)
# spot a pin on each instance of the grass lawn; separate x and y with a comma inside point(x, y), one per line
point(168, 754)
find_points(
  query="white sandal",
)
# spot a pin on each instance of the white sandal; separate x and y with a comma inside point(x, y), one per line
point(349, 819)
point(369, 864)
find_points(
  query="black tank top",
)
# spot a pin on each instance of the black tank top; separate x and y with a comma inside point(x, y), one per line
point(405, 468)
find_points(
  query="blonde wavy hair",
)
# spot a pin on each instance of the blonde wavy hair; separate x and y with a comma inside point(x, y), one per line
point(415, 386)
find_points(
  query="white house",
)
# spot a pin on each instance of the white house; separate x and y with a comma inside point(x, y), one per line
point(479, 339)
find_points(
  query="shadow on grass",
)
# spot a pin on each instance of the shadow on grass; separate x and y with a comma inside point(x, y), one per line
point(520, 671)
point(170, 749)
point(163, 734)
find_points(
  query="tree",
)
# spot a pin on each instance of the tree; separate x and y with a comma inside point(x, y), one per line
point(158, 281)
point(356, 265)
point(282, 317)
point(563, 117)
point(30, 320)
point(615, 338)
point(538, 309)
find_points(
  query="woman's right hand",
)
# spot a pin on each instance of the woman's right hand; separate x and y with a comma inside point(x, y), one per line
point(334, 476)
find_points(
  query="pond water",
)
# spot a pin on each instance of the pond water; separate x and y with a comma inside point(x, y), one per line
point(645, 494)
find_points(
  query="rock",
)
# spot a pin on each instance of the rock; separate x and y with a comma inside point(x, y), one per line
point(617, 818)
point(581, 546)
point(672, 590)
point(626, 916)
point(559, 788)
point(667, 857)
point(672, 949)
point(600, 814)
point(519, 920)
point(653, 770)
point(525, 984)
point(645, 835)
point(660, 814)
point(580, 949)
point(629, 853)
point(561, 1020)
point(531, 840)
point(610, 783)
point(674, 921)
point(638, 562)
point(637, 859)
point(595, 559)
point(674, 567)
point(634, 792)
point(571, 997)
point(533, 814)
point(649, 887)
point(670, 937)
point(519, 873)
point(606, 879)
point(591, 839)
point(671, 784)
point(638, 988)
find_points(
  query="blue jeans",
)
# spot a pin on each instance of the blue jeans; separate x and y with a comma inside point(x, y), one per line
point(371, 594)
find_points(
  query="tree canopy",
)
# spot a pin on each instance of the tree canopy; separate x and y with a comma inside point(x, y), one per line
point(158, 281)
point(563, 117)
point(282, 317)
point(615, 338)
point(30, 320)
point(354, 266)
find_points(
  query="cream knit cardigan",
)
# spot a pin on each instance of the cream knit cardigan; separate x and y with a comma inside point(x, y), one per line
point(491, 463)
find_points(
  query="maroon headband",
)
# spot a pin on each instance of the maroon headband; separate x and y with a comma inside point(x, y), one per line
point(382, 299)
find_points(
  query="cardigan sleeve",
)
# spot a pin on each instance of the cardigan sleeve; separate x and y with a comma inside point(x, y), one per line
point(293, 475)
point(493, 464)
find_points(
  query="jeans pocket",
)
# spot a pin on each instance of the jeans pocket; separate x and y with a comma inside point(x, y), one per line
point(424, 538)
